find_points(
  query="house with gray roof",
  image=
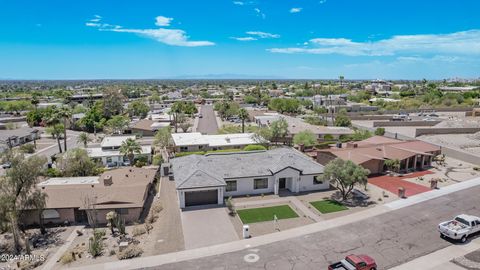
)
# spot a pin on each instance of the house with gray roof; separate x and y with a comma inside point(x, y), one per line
point(207, 179)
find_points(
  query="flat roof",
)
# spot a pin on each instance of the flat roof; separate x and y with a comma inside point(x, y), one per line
point(196, 138)
point(111, 141)
point(60, 181)
point(97, 152)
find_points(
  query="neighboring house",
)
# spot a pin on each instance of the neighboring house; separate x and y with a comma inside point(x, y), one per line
point(329, 100)
point(296, 125)
point(207, 179)
point(109, 151)
point(123, 190)
point(458, 88)
point(195, 141)
point(147, 127)
point(372, 153)
point(14, 137)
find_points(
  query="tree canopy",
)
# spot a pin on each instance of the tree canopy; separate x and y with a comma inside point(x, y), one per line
point(306, 138)
point(345, 175)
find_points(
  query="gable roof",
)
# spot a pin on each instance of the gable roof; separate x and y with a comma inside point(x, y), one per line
point(212, 169)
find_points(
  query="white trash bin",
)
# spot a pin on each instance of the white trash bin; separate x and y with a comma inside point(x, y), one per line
point(246, 231)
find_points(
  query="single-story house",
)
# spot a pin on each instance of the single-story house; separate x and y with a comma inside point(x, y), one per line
point(109, 151)
point(195, 141)
point(296, 125)
point(123, 190)
point(147, 127)
point(372, 153)
point(207, 179)
point(19, 136)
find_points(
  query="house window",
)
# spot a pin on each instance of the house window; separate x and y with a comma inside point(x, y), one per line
point(184, 148)
point(231, 186)
point(317, 180)
point(122, 211)
point(260, 183)
point(109, 160)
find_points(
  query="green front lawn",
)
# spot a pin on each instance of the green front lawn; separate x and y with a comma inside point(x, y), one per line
point(266, 213)
point(328, 206)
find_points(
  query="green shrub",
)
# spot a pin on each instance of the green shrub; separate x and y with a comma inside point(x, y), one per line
point(53, 172)
point(254, 147)
point(131, 251)
point(328, 137)
point(380, 131)
point(157, 159)
point(27, 148)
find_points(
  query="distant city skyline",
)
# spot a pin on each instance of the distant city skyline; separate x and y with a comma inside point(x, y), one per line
point(187, 39)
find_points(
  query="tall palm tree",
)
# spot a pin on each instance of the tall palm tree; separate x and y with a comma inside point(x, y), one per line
point(56, 131)
point(84, 138)
point(64, 113)
point(129, 148)
point(243, 115)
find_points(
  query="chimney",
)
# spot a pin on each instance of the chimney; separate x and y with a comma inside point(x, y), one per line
point(301, 147)
point(107, 180)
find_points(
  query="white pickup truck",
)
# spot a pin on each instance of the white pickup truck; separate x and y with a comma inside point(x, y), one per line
point(460, 228)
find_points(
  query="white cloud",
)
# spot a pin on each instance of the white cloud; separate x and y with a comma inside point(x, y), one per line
point(173, 37)
point(262, 34)
point(259, 13)
point(163, 21)
point(295, 10)
point(244, 38)
point(238, 3)
point(465, 43)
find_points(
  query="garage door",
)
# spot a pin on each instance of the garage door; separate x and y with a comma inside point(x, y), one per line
point(201, 197)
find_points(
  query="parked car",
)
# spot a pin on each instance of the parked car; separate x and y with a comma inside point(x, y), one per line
point(355, 262)
point(6, 165)
point(460, 228)
point(200, 115)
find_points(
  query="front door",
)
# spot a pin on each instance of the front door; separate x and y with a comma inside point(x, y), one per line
point(282, 183)
point(80, 216)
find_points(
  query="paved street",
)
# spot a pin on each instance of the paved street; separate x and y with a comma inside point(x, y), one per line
point(392, 239)
point(53, 149)
point(208, 123)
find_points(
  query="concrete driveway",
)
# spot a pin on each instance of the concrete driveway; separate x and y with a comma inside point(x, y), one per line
point(208, 123)
point(207, 226)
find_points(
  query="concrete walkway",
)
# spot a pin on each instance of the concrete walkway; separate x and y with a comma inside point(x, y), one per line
point(441, 258)
point(50, 263)
point(283, 235)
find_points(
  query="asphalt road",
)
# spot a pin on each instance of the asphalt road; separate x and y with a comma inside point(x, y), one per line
point(392, 238)
point(53, 149)
point(208, 123)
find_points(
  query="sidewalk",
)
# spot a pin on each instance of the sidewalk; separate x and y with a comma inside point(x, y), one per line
point(283, 235)
point(59, 253)
point(441, 258)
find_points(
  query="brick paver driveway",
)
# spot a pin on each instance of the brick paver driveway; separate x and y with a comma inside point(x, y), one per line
point(392, 183)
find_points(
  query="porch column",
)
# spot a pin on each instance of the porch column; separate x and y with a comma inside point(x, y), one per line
point(220, 196)
point(181, 198)
point(297, 184)
point(423, 161)
point(415, 163)
point(275, 186)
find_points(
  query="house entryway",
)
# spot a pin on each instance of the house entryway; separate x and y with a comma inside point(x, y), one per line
point(282, 183)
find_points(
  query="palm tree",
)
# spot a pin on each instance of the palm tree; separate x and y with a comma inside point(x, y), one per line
point(84, 138)
point(243, 115)
point(56, 131)
point(65, 113)
point(129, 148)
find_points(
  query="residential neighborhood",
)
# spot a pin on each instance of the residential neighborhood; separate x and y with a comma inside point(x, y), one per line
point(337, 135)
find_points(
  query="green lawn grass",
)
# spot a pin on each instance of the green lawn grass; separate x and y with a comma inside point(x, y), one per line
point(266, 213)
point(328, 206)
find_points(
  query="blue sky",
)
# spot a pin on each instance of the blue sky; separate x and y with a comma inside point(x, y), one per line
point(360, 39)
